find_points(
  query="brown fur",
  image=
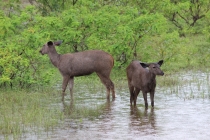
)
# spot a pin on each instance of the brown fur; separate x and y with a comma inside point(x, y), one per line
point(71, 65)
point(142, 78)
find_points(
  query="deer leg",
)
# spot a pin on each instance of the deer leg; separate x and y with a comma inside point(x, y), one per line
point(145, 99)
point(131, 89)
point(71, 85)
point(107, 92)
point(136, 93)
point(112, 89)
point(109, 85)
point(65, 82)
point(152, 98)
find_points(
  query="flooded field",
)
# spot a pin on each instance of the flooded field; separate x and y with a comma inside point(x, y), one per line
point(181, 111)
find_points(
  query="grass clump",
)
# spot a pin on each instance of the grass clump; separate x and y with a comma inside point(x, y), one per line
point(22, 111)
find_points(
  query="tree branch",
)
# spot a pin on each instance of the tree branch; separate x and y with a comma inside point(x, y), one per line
point(74, 2)
point(183, 18)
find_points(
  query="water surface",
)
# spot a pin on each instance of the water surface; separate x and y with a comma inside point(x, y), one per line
point(180, 112)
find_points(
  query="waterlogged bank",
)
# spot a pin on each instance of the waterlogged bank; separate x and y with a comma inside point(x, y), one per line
point(181, 112)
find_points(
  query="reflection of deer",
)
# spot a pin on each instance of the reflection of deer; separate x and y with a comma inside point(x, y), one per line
point(99, 110)
point(144, 118)
point(81, 63)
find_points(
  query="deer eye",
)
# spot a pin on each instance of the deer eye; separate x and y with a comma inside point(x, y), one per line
point(153, 67)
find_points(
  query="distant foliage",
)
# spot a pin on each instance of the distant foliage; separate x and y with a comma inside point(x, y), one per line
point(144, 30)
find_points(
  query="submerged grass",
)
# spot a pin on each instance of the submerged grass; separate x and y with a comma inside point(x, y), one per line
point(193, 84)
point(22, 111)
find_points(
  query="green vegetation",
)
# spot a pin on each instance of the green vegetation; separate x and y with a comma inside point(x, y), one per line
point(176, 31)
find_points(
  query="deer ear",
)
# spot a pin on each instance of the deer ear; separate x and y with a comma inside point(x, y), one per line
point(58, 43)
point(160, 62)
point(144, 65)
point(50, 43)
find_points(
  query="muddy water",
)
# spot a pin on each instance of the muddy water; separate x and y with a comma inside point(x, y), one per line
point(181, 112)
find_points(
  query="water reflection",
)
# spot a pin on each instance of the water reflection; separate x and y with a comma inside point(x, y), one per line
point(75, 110)
point(107, 106)
point(143, 121)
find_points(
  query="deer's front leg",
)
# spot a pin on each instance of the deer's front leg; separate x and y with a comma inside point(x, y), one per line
point(65, 82)
point(152, 98)
point(131, 89)
point(145, 99)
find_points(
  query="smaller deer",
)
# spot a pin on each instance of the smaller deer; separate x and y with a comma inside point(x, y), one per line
point(142, 76)
point(72, 65)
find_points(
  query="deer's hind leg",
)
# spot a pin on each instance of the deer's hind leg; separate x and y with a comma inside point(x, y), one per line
point(136, 93)
point(108, 83)
point(131, 89)
point(112, 90)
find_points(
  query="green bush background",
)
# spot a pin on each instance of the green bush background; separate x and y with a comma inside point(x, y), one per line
point(175, 31)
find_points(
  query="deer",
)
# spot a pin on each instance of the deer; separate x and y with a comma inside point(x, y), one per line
point(81, 63)
point(142, 77)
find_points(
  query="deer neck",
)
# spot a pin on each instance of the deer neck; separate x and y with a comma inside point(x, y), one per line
point(54, 57)
point(152, 76)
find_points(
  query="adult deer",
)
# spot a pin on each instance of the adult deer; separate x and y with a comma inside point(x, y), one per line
point(72, 65)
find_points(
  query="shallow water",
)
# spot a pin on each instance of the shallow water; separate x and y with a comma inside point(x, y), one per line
point(181, 112)
point(172, 118)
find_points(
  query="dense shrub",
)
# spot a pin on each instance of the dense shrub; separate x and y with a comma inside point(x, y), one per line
point(121, 28)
